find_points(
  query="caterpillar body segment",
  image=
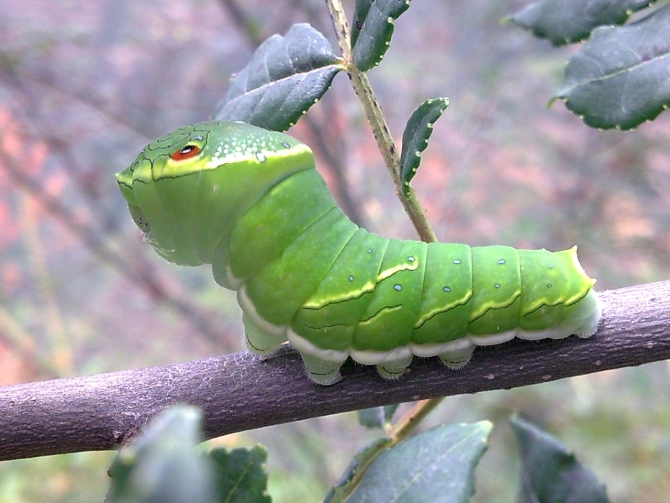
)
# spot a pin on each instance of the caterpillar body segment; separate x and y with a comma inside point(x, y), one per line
point(250, 202)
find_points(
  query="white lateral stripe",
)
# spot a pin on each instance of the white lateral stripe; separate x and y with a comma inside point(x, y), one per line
point(234, 282)
point(436, 348)
point(249, 308)
point(589, 325)
point(548, 333)
point(371, 357)
point(304, 346)
point(492, 339)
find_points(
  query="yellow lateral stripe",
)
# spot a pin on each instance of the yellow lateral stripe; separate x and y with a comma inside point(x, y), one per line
point(366, 288)
point(350, 295)
point(385, 309)
point(447, 307)
point(406, 266)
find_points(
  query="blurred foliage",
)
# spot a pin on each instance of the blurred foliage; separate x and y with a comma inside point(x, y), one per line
point(564, 22)
point(164, 464)
point(550, 472)
point(616, 79)
point(435, 465)
point(84, 85)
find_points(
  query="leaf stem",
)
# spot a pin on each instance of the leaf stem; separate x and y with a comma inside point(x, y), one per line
point(341, 26)
point(387, 147)
point(411, 418)
point(363, 88)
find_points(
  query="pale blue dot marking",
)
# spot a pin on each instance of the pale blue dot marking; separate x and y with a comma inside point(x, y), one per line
point(447, 289)
point(397, 288)
point(369, 250)
point(551, 266)
point(501, 261)
point(351, 278)
point(260, 157)
point(411, 259)
point(496, 285)
point(457, 261)
point(285, 145)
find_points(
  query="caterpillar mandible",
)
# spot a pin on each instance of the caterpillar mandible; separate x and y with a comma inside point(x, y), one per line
point(251, 203)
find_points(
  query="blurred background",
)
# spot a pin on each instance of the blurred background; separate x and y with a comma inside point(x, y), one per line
point(84, 85)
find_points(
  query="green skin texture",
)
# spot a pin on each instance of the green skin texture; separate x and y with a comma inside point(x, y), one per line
point(250, 202)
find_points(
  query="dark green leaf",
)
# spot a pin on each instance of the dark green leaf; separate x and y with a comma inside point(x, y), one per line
point(621, 76)
point(436, 465)
point(285, 77)
point(376, 417)
point(240, 475)
point(360, 461)
point(567, 21)
point(373, 28)
point(551, 474)
point(163, 464)
point(415, 138)
point(361, 10)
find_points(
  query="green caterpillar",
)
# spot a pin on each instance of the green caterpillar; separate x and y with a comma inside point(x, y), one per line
point(250, 202)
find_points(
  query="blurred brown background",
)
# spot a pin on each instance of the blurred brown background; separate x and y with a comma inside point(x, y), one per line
point(84, 85)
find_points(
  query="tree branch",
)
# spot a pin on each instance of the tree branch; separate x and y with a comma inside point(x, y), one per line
point(240, 392)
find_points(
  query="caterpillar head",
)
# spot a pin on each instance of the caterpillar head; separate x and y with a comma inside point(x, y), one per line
point(186, 189)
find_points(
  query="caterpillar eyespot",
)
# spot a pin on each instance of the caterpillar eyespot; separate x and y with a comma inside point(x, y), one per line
point(185, 153)
point(263, 217)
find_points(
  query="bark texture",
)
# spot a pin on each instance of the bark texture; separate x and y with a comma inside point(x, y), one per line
point(240, 392)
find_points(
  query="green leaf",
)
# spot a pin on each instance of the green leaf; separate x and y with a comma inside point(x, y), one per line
point(621, 76)
point(376, 417)
point(415, 138)
point(549, 472)
point(285, 77)
point(360, 462)
point(373, 28)
point(240, 474)
point(436, 465)
point(567, 21)
point(163, 464)
point(361, 10)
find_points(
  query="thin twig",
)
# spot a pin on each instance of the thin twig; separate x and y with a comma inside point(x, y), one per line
point(240, 392)
point(389, 152)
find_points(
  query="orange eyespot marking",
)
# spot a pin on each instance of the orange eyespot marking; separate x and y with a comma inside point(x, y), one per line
point(185, 153)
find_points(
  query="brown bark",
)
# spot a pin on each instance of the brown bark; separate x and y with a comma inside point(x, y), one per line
point(239, 391)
